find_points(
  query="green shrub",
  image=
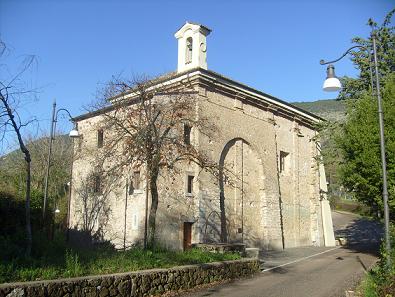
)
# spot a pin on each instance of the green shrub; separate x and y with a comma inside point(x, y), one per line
point(381, 279)
point(73, 265)
point(54, 259)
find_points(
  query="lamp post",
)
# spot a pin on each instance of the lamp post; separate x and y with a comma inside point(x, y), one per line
point(73, 134)
point(332, 84)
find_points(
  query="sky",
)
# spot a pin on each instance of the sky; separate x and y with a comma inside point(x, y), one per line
point(273, 46)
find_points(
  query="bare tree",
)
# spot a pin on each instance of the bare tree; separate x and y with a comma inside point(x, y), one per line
point(148, 125)
point(94, 206)
point(10, 97)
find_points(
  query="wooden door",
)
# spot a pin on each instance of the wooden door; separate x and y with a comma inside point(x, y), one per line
point(187, 235)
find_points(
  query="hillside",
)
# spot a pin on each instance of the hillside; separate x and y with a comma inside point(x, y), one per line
point(12, 165)
point(330, 109)
point(37, 147)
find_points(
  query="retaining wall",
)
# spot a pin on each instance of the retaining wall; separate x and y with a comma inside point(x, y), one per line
point(139, 283)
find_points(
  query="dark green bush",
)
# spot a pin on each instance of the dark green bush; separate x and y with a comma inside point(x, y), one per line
point(380, 282)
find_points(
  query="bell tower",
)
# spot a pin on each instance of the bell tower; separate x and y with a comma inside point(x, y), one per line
point(192, 47)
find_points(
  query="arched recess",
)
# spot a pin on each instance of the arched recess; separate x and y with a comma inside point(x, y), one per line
point(188, 50)
point(241, 193)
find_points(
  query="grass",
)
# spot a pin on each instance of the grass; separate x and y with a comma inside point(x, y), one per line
point(57, 260)
point(350, 206)
point(380, 281)
point(368, 287)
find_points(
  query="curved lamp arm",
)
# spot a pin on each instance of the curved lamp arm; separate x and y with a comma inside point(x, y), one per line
point(55, 120)
point(381, 125)
point(63, 109)
point(322, 62)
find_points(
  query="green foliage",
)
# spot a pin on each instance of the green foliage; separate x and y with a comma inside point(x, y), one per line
point(385, 36)
point(55, 259)
point(330, 109)
point(12, 172)
point(356, 142)
point(12, 215)
point(73, 265)
point(349, 205)
point(13, 187)
point(360, 144)
point(380, 281)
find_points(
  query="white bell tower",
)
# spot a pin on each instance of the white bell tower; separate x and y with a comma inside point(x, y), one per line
point(192, 47)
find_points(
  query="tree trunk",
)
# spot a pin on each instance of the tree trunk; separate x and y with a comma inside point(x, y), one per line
point(26, 152)
point(154, 207)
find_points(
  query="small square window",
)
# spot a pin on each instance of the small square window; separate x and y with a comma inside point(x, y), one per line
point(130, 188)
point(100, 137)
point(284, 161)
point(136, 180)
point(97, 184)
point(190, 184)
point(187, 134)
point(135, 221)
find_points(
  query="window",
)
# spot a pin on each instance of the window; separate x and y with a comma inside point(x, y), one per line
point(136, 180)
point(97, 184)
point(135, 221)
point(190, 184)
point(130, 188)
point(135, 184)
point(284, 161)
point(100, 138)
point(187, 134)
point(188, 51)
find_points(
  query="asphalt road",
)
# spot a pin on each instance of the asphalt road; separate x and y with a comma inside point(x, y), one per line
point(318, 272)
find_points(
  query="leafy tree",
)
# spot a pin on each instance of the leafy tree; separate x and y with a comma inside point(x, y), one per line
point(353, 145)
point(12, 168)
point(360, 145)
point(385, 39)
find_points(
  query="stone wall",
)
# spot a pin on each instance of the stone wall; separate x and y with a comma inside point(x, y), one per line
point(265, 207)
point(141, 283)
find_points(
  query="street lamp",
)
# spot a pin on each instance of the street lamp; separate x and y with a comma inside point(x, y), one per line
point(332, 84)
point(73, 134)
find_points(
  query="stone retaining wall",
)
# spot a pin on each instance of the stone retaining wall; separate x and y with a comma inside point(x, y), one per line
point(222, 247)
point(139, 283)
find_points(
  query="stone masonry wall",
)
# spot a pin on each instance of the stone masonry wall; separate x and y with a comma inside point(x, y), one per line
point(265, 207)
point(140, 283)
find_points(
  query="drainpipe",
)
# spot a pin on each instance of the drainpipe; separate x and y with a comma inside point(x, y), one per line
point(242, 192)
point(126, 208)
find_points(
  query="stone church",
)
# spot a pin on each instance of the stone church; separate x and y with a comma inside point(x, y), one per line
point(270, 144)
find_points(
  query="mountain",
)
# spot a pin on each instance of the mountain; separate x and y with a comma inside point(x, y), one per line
point(329, 109)
point(12, 165)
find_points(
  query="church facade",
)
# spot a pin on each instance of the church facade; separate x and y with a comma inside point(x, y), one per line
point(280, 198)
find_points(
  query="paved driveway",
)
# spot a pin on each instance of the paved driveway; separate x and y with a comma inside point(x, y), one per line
point(311, 271)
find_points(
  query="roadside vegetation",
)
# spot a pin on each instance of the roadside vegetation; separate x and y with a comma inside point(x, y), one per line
point(380, 281)
point(349, 205)
point(31, 249)
point(351, 148)
point(56, 258)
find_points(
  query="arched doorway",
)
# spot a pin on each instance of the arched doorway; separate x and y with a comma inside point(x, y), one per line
point(241, 191)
